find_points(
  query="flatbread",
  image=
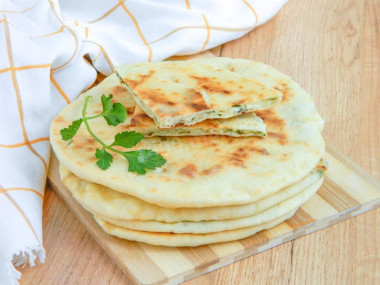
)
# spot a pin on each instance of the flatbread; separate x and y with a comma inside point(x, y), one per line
point(244, 125)
point(111, 204)
point(239, 126)
point(184, 92)
point(203, 227)
point(207, 171)
point(175, 240)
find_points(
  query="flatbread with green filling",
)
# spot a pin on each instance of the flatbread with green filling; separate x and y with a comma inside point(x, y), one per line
point(243, 125)
point(248, 124)
point(186, 92)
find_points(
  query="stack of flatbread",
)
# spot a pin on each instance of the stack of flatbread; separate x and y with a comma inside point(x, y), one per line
point(242, 142)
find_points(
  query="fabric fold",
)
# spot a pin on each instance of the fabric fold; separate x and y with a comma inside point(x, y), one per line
point(51, 51)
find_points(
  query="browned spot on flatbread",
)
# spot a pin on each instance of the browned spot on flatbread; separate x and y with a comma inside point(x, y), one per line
point(92, 159)
point(134, 122)
point(140, 119)
point(197, 107)
point(76, 145)
point(117, 90)
point(212, 170)
point(240, 153)
point(131, 83)
point(228, 139)
point(239, 102)
point(262, 150)
point(282, 137)
point(155, 97)
point(286, 91)
point(284, 157)
point(90, 149)
point(59, 120)
point(239, 156)
point(142, 116)
point(189, 170)
point(210, 124)
point(271, 119)
point(143, 77)
point(204, 141)
point(114, 100)
point(90, 141)
point(197, 102)
point(210, 84)
point(130, 110)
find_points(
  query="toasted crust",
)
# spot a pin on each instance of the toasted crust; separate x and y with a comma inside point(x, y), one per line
point(179, 92)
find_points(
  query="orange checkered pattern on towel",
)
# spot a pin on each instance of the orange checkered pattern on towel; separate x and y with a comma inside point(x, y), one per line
point(51, 51)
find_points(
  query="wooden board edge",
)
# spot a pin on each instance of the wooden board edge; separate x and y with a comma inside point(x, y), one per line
point(282, 239)
point(349, 164)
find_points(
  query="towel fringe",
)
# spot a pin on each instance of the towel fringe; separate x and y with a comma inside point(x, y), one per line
point(28, 254)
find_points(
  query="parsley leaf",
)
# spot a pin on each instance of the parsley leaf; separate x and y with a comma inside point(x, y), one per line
point(144, 158)
point(68, 133)
point(106, 102)
point(127, 139)
point(115, 113)
point(104, 158)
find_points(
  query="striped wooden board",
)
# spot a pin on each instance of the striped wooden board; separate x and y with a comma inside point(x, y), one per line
point(347, 192)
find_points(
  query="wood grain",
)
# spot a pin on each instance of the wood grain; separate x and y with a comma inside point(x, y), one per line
point(333, 50)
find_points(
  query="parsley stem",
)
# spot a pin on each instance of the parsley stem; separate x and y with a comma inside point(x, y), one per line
point(94, 117)
point(85, 119)
point(115, 150)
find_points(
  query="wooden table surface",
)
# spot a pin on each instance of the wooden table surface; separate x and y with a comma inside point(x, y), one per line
point(332, 49)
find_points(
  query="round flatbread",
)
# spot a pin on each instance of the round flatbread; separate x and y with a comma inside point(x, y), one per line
point(206, 171)
point(175, 240)
point(111, 204)
point(203, 227)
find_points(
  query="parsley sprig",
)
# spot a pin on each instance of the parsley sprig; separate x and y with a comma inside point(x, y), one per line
point(114, 114)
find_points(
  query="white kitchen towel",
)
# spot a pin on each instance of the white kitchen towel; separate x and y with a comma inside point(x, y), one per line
point(49, 53)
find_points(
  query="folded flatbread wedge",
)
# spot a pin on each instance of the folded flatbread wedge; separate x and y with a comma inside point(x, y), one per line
point(183, 92)
point(243, 125)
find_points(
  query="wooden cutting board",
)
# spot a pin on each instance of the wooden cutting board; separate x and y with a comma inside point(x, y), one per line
point(347, 192)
